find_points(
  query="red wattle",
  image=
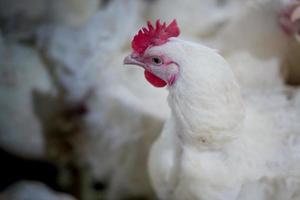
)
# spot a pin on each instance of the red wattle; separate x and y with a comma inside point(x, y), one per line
point(154, 80)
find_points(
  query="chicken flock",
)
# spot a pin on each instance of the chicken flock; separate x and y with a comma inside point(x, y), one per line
point(226, 128)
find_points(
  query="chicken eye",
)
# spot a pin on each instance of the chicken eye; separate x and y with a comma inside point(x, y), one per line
point(156, 60)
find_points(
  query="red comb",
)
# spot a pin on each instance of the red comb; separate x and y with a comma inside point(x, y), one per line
point(154, 36)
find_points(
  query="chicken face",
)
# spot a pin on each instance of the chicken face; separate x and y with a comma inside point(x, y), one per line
point(290, 18)
point(159, 69)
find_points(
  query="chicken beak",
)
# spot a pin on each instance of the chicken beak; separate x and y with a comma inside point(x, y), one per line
point(132, 60)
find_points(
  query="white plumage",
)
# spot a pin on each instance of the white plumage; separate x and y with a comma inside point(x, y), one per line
point(216, 143)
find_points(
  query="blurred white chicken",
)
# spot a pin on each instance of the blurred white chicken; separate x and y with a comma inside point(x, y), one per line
point(260, 27)
point(215, 143)
point(120, 125)
point(21, 74)
point(69, 12)
point(198, 18)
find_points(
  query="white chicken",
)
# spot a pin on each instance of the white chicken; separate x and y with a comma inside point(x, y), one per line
point(215, 143)
point(213, 14)
point(119, 126)
point(261, 27)
point(22, 73)
point(69, 12)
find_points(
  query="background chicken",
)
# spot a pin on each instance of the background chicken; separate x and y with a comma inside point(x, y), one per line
point(213, 15)
point(85, 67)
point(212, 132)
point(21, 74)
point(258, 28)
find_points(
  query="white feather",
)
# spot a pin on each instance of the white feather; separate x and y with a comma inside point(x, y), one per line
point(215, 142)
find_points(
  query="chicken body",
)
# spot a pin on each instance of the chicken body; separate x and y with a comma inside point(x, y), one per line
point(216, 142)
